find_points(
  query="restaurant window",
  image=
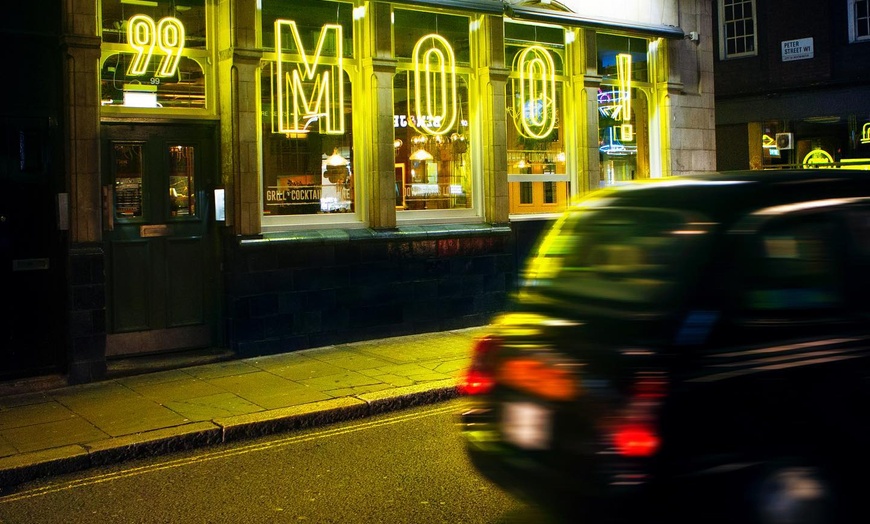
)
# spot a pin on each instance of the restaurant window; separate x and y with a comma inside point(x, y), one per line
point(623, 109)
point(537, 178)
point(859, 20)
point(307, 153)
point(155, 56)
point(737, 28)
point(431, 112)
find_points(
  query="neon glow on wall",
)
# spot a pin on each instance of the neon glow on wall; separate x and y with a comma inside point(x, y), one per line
point(434, 102)
point(143, 35)
point(535, 92)
point(295, 108)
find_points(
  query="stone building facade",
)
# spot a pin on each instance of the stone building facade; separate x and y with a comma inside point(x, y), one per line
point(262, 176)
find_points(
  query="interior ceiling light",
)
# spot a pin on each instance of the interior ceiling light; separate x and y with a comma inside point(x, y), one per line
point(421, 155)
point(822, 119)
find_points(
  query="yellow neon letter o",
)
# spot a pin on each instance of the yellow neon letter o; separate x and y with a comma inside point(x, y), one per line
point(434, 102)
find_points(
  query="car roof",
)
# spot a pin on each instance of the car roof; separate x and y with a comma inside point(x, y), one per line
point(725, 196)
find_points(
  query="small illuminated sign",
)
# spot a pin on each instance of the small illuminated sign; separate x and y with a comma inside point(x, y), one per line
point(144, 35)
point(865, 133)
point(534, 92)
point(434, 101)
point(295, 108)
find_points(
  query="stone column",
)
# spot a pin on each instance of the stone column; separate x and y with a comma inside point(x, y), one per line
point(373, 119)
point(586, 90)
point(86, 286)
point(491, 117)
point(238, 70)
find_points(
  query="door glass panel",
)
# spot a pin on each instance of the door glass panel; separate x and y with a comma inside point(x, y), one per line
point(127, 164)
point(182, 200)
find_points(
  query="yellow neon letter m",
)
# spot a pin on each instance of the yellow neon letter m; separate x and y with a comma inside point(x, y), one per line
point(308, 88)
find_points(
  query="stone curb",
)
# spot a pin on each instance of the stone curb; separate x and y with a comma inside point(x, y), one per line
point(18, 469)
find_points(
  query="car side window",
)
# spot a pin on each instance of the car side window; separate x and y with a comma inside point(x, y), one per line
point(795, 265)
point(858, 220)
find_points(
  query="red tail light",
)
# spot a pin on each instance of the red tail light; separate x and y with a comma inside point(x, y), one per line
point(479, 378)
point(636, 440)
point(635, 433)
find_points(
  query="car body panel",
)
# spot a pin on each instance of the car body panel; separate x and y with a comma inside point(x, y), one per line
point(756, 354)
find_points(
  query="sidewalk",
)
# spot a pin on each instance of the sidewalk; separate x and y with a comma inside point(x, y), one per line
point(76, 427)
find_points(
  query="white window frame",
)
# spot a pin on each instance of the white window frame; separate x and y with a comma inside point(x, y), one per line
point(723, 33)
point(854, 21)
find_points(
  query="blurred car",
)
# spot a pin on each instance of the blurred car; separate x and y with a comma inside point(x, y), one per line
point(690, 349)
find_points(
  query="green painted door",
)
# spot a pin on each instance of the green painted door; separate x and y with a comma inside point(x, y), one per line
point(161, 242)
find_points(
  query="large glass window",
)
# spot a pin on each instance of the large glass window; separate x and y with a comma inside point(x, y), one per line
point(154, 55)
point(737, 28)
point(538, 181)
point(623, 109)
point(307, 153)
point(859, 20)
point(431, 112)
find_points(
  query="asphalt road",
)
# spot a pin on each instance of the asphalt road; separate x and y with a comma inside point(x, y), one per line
point(405, 467)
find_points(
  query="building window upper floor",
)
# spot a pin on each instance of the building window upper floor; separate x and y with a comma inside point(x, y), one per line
point(737, 31)
point(859, 20)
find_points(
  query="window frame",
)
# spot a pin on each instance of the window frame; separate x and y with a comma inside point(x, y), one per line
point(293, 222)
point(853, 22)
point(473, 213)
point(723, 31)
point(204, 56)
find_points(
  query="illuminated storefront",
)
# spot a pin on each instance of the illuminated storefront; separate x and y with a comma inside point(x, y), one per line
point(380, 167)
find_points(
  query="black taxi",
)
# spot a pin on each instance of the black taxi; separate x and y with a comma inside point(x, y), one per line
point(689, 349)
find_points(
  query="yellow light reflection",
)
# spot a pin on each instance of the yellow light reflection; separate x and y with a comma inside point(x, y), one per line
point(434, 104)
point(535, 107)
point(623, 73)
point(294, 110)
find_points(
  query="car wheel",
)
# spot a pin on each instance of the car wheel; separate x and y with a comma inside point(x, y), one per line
point(794, 494)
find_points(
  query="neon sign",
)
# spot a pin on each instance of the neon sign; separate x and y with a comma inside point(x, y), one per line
point(434, 104)
point(865, 133)
point(623, 75)
point(143, 35)
point(295, 109)
point(534, 92)
point(818, 156)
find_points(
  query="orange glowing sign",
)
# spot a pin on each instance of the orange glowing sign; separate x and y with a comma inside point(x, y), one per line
point(434, 101)
point(144, 35)
point(534, 92)
point(320, 75)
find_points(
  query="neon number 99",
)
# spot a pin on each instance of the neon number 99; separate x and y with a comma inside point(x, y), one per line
point(170, 36)
point(143, 35)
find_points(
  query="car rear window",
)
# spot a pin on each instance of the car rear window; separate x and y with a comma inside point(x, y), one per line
point(617, 256)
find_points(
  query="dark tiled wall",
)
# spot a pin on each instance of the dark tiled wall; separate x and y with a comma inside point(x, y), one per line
point(87, 315)
point(318, 288)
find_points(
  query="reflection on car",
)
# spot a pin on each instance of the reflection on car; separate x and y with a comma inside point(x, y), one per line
point(689, 349)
